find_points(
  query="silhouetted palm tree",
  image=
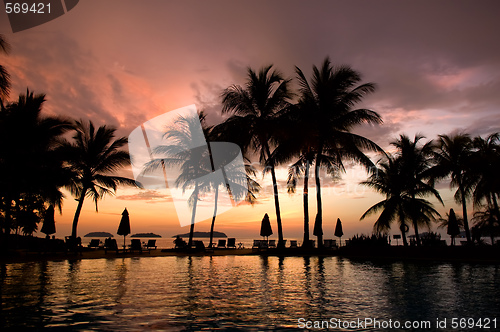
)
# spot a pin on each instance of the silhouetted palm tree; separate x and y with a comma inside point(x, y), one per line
point(4, 75)
point(399, 203)
point(327, 103)
point(452, 156)
point(486, 163)
point(254, 124)
point(487, 220)
point(30, 159)
point(415, 167)
point(235, 190)
point(93, 156)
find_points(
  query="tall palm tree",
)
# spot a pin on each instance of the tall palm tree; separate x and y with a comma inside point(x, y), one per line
point(486, 163)
point(327, 103)
point(195, 163)
point(235, 189)
point(4, 75)
point(93, 156)
point(416, 171)
point(399, 204)
point(253, 123)
point(452, 156)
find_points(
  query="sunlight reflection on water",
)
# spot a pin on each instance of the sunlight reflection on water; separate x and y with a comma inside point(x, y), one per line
point(244, 292)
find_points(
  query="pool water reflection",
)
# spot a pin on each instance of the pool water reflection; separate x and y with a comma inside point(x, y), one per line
point(238, 292)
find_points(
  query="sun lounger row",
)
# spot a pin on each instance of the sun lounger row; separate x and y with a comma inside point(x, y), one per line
point(135, 245)
point(265, 244)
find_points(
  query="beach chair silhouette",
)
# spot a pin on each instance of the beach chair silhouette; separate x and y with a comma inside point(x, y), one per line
point(221, 244)
point(231, 242)
point(256, 244)
point(272, 243)
point(293, 243)
point(110, 244)
point(151, 244)
point(330, 243)
point(135, 245)
point(94, 243)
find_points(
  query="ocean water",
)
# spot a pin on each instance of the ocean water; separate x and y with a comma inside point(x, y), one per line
point(243, 293)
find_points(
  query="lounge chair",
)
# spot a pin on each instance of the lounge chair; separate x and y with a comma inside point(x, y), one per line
point(264, 244)
point(330, 243)
point(272, 243)
point(135, 245)
point(94, 244)
point(256, 244)
point(293, 243)
point(221, 243)
point(231, 242)
point(110, 244)
point(151, 244)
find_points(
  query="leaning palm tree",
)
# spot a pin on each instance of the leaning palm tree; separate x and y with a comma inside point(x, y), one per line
point(415, 164)
point(399, 204)
point(253, 123)
point(326, 103)
point(4, 75)
point(452, 156)
point(93, 156)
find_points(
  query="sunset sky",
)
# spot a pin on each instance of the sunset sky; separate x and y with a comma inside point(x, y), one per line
point(436, 65)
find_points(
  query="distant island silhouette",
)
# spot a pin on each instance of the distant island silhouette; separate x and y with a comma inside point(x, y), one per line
point(202, 234)
point(98, 234)
point(145, 235)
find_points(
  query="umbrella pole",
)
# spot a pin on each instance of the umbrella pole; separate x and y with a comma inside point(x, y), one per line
point(124, 242)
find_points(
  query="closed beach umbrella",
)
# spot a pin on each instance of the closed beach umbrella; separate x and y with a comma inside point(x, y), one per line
point(49, 224)
point(265, 227)
point(453, 229)
point(338, 230)
point(124, 228)
point(318, 230)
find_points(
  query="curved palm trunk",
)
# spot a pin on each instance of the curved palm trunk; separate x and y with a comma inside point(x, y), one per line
point(77, 213)
point(306, 205)
point(193, 214)
point(281, 243)
point(319, 220)
point(464, 212)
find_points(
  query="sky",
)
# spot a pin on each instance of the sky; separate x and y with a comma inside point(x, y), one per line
point(436, 65)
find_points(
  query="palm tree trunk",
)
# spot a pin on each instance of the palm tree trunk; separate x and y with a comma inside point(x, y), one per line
point(213, 218)
point(306, 205)
point(415, 223)
point(77, 213)
point(319, 220)
point(464, 212)
point(193, 214)
point(212, 164)
point(281, 243)
point(403, 235)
